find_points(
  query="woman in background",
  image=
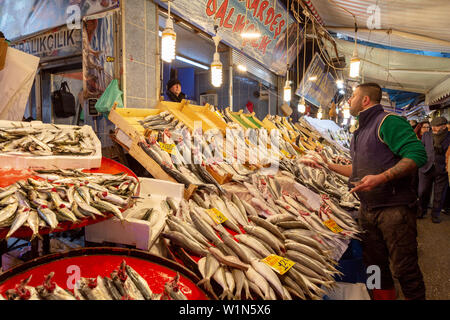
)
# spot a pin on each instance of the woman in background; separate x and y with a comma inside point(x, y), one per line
point(421, 128)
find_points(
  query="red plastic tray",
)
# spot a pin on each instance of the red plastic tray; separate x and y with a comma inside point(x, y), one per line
point(8, 177)
point(102, 261)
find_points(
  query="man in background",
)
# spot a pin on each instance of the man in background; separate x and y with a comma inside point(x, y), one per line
point(434, 172)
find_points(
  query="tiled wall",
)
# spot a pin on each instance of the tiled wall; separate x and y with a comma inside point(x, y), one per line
point(140, 53)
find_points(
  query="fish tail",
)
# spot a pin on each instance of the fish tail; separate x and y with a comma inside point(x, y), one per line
point(224, 294)
point(207, 285)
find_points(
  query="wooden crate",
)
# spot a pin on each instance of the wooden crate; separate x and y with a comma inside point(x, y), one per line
point(148, 163)
point(189, 114)
point(126, 119)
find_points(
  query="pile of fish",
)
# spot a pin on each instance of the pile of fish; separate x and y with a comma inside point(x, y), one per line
point(161, 121)
point(273, 222)
point(63, 195)
point(124, 284)
point(46, 142)
point(324, 181)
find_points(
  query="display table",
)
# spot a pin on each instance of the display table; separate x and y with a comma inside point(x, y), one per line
point(9, 177)
point(93, 262)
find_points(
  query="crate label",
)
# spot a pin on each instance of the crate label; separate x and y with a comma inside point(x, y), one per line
point(277, 263)
point(332, 225)
point(169, 148)
point(216, 215)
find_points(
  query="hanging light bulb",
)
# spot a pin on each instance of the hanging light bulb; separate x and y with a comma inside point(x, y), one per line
point(168, 40)
point(340, 84)
point(287, 91)
point(355, 61)
point(354, 66)
point(301, 106)
point(216, 66)
point(319, 114)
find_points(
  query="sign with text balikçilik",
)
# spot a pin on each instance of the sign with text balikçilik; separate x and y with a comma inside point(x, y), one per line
point(318, 85)
point(234, 17)
point(58, 42)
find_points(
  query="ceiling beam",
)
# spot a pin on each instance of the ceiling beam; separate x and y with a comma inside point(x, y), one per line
point(411, 36)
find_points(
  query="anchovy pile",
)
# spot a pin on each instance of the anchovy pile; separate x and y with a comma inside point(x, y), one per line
point(124, 284)
point(64, 195)
point(48, 142)
point(161, 122)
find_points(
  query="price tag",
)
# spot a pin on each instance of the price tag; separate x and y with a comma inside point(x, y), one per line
point(277, 263)
point(169, 148)
point(332, 225)
point(216, 215)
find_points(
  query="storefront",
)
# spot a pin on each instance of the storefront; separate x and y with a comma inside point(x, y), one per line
point(77, 45)
point(255, 65)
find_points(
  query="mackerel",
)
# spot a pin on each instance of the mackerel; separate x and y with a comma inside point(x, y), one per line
point(219, 276)
point(254, 277)
point(268, 226)
point(184, 242)
point(253, 243)
point(228, 240)
point(21, 217)
point(270, 275)
point(140, 283)
point(210, 266)
point(231, 261)
point(265, 236)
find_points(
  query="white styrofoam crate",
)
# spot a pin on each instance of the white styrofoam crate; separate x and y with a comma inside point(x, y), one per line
point(133, 231)
point(15, 161)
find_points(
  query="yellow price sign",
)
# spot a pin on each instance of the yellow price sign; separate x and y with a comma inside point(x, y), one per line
point(169, 148)
point(216, 215)
point(277, 263)
point(332, 225)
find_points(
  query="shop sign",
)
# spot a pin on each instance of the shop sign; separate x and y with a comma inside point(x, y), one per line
point(269, 18)
point(318, 86)
point(24, 17)
point(55, 43)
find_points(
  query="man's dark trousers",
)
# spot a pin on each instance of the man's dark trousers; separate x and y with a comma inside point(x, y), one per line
point(390, 237)
point(426, 182)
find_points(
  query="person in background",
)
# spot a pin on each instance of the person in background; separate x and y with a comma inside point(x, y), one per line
point(174, 91)
point(413, 123)
point(385, 152)
point(434, 172)
point(421, 128)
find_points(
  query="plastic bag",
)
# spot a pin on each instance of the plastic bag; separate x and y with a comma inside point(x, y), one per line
point(106, 101)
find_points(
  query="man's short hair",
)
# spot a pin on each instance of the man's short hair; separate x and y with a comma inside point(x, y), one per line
point(372, 90)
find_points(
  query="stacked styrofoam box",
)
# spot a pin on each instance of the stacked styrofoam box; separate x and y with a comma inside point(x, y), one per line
point(25, 161)
point(132, 231)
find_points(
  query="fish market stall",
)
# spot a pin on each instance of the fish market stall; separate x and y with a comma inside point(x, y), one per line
point(101, 274)
point(235, 233)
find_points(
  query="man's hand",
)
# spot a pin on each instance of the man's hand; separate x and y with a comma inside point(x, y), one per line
point(369, 182)
point(310, 161)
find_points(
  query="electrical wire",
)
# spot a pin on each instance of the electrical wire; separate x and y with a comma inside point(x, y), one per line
point(287, 41)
